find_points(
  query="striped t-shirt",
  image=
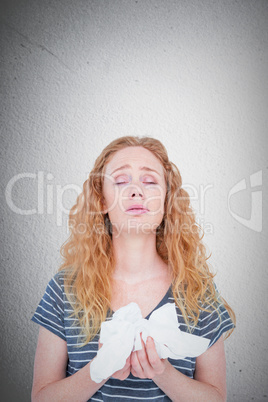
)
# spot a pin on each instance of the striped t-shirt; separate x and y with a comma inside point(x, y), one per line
point(53, 313)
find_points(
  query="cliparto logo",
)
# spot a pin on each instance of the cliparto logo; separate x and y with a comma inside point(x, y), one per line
point(48, 198)
point(255, 220)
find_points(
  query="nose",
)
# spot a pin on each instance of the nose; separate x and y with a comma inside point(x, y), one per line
point(135, 191)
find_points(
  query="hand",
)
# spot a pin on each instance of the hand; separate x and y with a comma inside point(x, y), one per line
point(124, 372)
point(146, 363)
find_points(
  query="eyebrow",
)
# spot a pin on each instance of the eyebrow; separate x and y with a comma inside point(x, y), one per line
point(141, 168)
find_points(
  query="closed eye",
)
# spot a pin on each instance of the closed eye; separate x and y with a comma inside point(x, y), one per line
point(125, 182)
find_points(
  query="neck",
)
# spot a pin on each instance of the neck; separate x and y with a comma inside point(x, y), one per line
point(136, 258)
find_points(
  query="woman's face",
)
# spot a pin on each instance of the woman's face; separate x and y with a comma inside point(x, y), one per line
point(134, 191)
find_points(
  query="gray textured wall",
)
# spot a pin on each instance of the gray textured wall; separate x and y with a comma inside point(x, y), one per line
point(77, 74)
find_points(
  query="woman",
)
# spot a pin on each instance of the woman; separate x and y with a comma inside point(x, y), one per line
point(133, 239)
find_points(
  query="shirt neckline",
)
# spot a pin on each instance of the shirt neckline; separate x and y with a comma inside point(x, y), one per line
point(161, 303)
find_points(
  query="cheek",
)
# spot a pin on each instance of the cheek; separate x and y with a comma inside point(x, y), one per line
point(113, 204)
point(155, 198)
point(109, 196)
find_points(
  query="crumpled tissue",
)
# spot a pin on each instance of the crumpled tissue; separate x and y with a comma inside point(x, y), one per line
point(121, 335)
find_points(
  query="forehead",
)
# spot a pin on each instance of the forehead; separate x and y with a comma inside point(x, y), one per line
point(135, 157)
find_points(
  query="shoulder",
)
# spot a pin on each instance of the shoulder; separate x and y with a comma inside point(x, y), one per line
point(213, 316)
point(51, 310)
point(56, 284)
point(214, 319)
point(58, 278)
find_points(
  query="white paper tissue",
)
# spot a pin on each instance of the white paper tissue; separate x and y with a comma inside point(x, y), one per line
point(121, 335)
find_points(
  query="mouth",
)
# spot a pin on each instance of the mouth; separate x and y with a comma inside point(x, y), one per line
point(137, 209)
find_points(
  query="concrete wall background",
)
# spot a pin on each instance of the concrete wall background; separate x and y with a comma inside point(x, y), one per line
point(76, 75)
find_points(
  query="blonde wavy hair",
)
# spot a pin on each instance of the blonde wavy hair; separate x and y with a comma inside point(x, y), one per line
point(88, 258)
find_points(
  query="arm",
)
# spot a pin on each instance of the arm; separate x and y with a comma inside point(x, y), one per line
point(49, 381)
point(209, 383)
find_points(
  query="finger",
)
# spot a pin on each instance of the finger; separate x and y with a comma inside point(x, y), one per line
point(123, 373)
point(144, 362)
point(156, 363)
point(151, 352)
point(127, 365)
point(136, 368)
point(133, 372)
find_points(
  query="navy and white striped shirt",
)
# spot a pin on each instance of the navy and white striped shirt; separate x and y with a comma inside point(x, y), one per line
point(53, 313)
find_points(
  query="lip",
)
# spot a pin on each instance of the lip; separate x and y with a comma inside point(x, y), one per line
point(137, 209)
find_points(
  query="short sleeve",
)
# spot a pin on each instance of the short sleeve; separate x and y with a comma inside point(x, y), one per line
point(50, 311)
point(214, 323)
